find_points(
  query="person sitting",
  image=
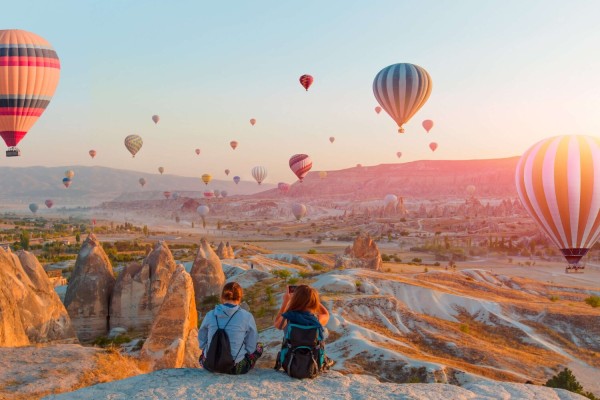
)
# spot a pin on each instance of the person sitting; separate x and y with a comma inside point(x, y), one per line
point(228, 336)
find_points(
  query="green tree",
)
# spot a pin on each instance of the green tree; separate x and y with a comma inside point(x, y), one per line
point(145, 230)
point(565, 380)
point(77, 237)
point(24, 240)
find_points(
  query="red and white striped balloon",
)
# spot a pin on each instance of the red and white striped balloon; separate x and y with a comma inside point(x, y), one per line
point(300, 164)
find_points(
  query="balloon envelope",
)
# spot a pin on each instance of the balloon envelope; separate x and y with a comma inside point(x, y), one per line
point(283, 187)
point(259, 174)
point(299, 210)
point(156, 118)
point(433, 146)
point(224, 193)
point(233, 144)
point(399, 154)
point(66, 182)
point(206, 178)
point(92, 153)
point(69, 174)
point(252, 121)
point(133, 143)
point(49, 203)
point(209, 195)
point(300, 164)
point(331, 139)
point(197, 152)
point(390, 199)
point(306, 80)
point(167, 194)
point(161, 170)
point(236, 179)
point(557, 182)
point(401, 90)
point(377, 109)
point(203, 210)
point(227, 172)
point(33, 207)
point(428, 124)
point(142, 181)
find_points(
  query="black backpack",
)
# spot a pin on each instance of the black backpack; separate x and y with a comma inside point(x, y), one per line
point(218, 357)
point(302, 353)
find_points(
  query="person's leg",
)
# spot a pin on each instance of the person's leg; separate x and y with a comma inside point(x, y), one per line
point(248, 362)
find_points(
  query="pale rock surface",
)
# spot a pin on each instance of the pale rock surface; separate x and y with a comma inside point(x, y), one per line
point(336, 283)
point(12, 293)
point(141, 289)
point(230, 250)
point(88, 295)
point(224, 251)
point(207, 273)
point(173, 340)
point(269, 384)
point(363, 253)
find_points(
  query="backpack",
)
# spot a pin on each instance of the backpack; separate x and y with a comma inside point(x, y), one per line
point(302, 353)
point(218, 357)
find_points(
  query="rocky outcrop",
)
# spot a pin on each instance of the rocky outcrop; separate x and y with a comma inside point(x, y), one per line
point(173, 340)
point(141, 289)
point(30, 310)
point(88, 295)
point(225, 251)
point(207, 273)
point(363, 253)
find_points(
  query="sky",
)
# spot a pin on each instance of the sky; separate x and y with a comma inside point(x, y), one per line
point(505, 74)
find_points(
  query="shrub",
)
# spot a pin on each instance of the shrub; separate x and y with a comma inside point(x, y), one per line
point(311, 251)
point(292, 281)
point(554, 298)
point(417, 260)
point(593, 301)
point(317, 267)
point(385, 258)
point(566, 380)
point(282, 273)
point(464, 328)
point(358, 284)
point(425, 269)
point(436, 264)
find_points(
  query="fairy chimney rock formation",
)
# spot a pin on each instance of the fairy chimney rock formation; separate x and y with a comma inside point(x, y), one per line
point(224, 251)
point(141, 289)
point(363, 253)
point(173, 340)
point(88, 295)
point(207, 273)
point(230, 250)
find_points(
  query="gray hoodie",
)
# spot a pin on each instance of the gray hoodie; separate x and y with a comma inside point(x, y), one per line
point(241, 330)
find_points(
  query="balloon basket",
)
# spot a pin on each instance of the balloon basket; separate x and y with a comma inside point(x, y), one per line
point(13, 152)
point(574, 269)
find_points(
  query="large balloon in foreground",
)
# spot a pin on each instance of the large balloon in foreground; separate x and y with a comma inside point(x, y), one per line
point(283, 187)
point(142, 181)
point(29, 74)
point(427, 124)
point(67, 182)
point(227, 171)
point(558, 182)
point(433, 146)
point(92, 153)
point(206, 178)
point(161, 170)
point(155, 119)
point(306, 80)
point(133, 143)
point(197, 152)
point(33, 207)
point(300, 164)
point(236, 179)
point(233, 144)
point(299, 210)
point(399, 154)
point(377, 109)
point(259, 174)
point(49, 203)
point(401, 90)
point(331, 139)
point(252, 121)
point(69, 174)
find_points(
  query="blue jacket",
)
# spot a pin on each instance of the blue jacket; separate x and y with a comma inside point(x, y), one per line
point(241, 330)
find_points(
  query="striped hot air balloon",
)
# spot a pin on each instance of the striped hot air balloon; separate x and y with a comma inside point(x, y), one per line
point(558, 182)
point(133, 143)
point(29, 74)
point(306, 80)
point(259, 173)
point(401, 90)
point(300, 164)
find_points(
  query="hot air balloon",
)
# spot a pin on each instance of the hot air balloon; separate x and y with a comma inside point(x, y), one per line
point(390, 199)
point(433, 146)
point(227, 172)
point(300, 164)
point(217, 193)
point(69, 174)
point(399, 154)
point(236, 179)
point(306, 81)
point(206, 178)
point(92, 153)
point(558, 183)
point(161, 170)
point(299, 210)
point(252, 121)
point(401, 90)
point(428, 124)
point(259, 174)
point(283, 187)
point(470, 190)
point(175, 196)
point(197, 152)
point(167, 195)
point(142, 181)
point(155, 118)
point(29, 74)
point(224, 193)
point(331, 139)
point(67, 182)
point(322, 174)
point(33, 207)
point(49, 203)
point(233, 144)
point(358, 165)
point(377, 109)
point(209, 195)
point(203, 211)
point(134, 144)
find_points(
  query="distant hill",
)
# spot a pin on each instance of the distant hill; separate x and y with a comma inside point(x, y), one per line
point(94, 185)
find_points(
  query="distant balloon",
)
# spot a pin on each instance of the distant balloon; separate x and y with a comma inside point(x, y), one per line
point(283, 187)
point(175, 196)
point(142, 181)
point(399, 154)
point(133, 143)
point(203, 211)
point(390, 199)
point(66, 182)
point(233, 144)
point(161, 170)
point(224, 193)
point(377, 109)
point(306, 81)
point(259, 174)
point(209, 195)
point(331, 139)
point(197, 152)
point(433, 146)
point(206, 178)
point(217, 193)
point(322, 174)
point(49, 203)
point(155, 118)
point(358, 165)
point(33, 207)
point(299, 210)
point(428, 124)
point(236, 179)
point(167, 195)
point(227, 172)
point(252, 121)
point(69, 174)
point(401, 90)
point(92, 153)
point(471, 190)
point(300, 164)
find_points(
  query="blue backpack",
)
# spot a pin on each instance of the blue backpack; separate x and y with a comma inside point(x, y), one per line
point(302, 353)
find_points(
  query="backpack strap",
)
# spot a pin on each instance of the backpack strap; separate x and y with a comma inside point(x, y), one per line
point(230, 318)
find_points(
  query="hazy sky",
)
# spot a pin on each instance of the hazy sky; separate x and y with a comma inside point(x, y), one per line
point(505, 75)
